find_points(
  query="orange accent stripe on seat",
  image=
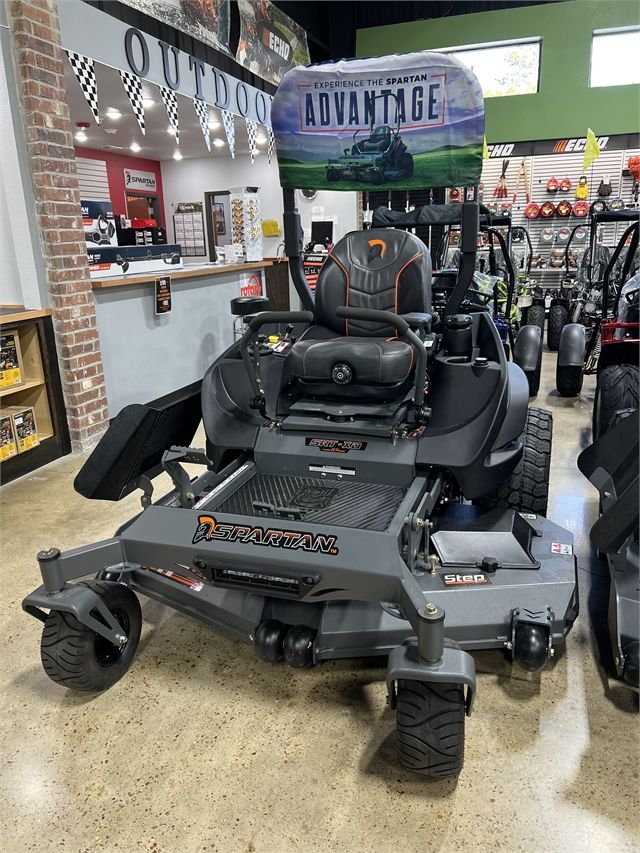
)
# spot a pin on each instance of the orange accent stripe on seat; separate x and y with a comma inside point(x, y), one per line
point(346, 295)
point(410, 261)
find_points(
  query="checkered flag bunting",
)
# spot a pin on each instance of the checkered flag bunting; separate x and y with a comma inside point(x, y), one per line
point(171, 106)
point(133, 88)
point(252, 131)
point(230, 130)
point(85, 74)
point(271, 144)
point(202, 111)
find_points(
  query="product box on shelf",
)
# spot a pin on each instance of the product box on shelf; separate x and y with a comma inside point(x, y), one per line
point(135, 260)
point(11, 372)
point(8, 445)
point(24, 427)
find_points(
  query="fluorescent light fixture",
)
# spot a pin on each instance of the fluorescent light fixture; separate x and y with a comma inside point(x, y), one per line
point(135, 147)
point(214, 124)
point(148, 102)
point(81, 136)
point(113, 113)
point(218, 143)
point(171, 131)
point(177, 155)
point(260, 139)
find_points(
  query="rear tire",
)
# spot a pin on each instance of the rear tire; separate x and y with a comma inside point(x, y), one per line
point(557, 320)
point(430, 728)
point(569, 380)
point(75, 656)
point(535, 317)
point(527, 487)
point(616, 391)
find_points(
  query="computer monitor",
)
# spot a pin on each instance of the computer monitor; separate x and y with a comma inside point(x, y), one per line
point(322, 232)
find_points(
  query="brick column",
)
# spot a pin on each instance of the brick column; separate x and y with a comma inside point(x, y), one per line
point(39, 73)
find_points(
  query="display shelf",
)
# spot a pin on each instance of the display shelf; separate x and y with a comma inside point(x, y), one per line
point(41, 391)
point(30, 383)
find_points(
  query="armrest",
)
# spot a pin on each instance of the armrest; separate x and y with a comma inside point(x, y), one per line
point(417, 320)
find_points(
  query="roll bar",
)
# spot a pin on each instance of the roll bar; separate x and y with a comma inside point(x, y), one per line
point(632, 231)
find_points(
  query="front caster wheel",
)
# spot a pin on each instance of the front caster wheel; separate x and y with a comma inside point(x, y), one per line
point(75, 656)
point(430, 728)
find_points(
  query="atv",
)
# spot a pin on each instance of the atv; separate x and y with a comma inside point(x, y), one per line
point(373, 483)
point(378, 158)
point(611, 346)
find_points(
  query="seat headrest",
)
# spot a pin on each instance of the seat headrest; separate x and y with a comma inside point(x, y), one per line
point(383, 269)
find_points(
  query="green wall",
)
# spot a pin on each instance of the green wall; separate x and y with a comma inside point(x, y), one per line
point(564, 104)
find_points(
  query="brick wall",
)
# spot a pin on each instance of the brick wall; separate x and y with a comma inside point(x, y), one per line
point(39, 70)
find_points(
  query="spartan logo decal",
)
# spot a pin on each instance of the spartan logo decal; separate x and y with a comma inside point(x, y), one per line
point(377, 249)
point(209, 530)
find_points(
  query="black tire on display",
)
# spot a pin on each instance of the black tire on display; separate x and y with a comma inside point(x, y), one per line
point(616, 392)
point(557, 321)
point(527, 487)
point(407, 165)
point(76, 657)
point(569, 380)
point(333, 175)
point(430, 728)
point(535, 317)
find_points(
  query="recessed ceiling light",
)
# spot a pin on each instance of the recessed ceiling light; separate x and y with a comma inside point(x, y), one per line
point(135, 146)
point(171, 131)
point(255, 152)
point(81, 136)
point(218, 143)
point(214, 124)
point(148, 102)
point(177, 155)
point(261, 139)
point(113, 113)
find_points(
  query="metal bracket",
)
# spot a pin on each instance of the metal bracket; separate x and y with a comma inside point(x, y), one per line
point(80, 600)
point(544, 618)
point(171, 463)
point(454, 667)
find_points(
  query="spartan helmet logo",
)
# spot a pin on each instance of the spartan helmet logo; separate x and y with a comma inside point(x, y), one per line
point(377, 248)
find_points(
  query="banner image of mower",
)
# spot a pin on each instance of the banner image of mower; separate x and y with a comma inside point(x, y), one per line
point(378, 158)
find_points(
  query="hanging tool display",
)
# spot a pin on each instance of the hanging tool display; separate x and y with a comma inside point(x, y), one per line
point(582, 190)
point(523, 178)
point(502, 190)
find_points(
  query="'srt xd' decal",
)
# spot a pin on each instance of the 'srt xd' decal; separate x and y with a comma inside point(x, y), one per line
point(209, 529)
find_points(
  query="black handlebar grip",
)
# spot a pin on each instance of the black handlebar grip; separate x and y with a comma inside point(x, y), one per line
point(279, 317)
point(372, 315)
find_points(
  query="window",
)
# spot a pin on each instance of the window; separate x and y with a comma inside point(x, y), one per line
point(614, 57)
point(503, 68)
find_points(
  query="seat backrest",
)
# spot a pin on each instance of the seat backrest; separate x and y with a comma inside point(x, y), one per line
point(379, 140)
point(384, 269)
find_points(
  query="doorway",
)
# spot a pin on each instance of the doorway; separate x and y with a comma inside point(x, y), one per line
point(143, 207)
point(218, 212)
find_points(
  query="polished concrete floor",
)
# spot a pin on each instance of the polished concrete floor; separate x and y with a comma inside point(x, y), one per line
point(201, 747)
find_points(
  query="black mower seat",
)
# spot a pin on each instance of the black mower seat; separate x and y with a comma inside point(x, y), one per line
point(381, 269)
point(378, 142)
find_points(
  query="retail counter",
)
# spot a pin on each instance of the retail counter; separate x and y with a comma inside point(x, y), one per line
point(146, 355)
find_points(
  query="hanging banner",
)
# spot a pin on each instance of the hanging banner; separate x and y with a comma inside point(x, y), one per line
point(271, 144)
point(133, 51)
point(85, 74)
point(270, 42)
point(205, 20)
point(133, 88)
point(170, 102)
point(230, 130)
point(402, 122)
point(202, 111)
point(252, 132)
